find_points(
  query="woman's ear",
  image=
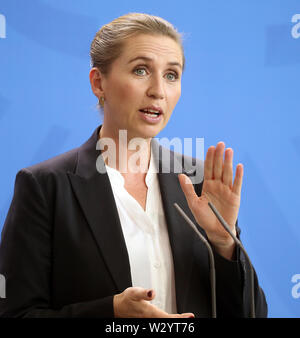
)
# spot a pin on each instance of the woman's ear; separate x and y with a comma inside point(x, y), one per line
point(96, 80)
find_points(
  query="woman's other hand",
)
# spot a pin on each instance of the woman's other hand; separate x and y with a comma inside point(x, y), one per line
point(134, 302)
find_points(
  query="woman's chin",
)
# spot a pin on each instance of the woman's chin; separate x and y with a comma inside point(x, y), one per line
point(150, 131)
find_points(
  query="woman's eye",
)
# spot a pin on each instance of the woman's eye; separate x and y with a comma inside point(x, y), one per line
point(143, 72)
point(140, 71)
point(172, 76)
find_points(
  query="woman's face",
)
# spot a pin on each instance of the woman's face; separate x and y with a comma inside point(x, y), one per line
point(143, 86)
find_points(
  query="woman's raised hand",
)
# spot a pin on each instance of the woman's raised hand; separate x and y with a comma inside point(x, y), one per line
point(219, 189)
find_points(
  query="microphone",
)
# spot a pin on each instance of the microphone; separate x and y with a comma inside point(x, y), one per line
point(226, 227)
point(211, 259)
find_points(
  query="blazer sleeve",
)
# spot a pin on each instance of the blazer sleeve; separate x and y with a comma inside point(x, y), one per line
point(233, 288)
point(233, 284)
point(26, 258)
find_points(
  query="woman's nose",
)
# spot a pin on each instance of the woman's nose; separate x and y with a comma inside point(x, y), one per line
point(156, 88)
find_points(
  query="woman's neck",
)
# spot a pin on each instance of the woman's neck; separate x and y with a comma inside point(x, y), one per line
point(125, 153)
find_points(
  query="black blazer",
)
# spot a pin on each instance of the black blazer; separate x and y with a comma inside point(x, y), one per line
point(63, 253)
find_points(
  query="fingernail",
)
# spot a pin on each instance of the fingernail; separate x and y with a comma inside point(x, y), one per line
point(149, 293)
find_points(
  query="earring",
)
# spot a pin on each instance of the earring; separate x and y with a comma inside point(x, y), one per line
point(101, 101)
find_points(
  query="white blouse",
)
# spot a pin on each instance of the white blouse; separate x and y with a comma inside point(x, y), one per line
point(147, 239)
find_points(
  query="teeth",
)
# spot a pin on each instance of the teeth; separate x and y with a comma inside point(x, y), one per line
point(151, 111)
point(152, 115)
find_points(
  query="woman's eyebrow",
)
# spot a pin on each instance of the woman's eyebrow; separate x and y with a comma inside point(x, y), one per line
point(145, 58)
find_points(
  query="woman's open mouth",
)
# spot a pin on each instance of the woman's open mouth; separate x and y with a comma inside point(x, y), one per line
point(151, 115)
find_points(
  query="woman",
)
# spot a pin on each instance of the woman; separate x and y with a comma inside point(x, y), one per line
point(79, 242)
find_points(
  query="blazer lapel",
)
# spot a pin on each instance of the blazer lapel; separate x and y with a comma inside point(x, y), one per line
point(181, 235)
point(94, 194)
point(181, 240)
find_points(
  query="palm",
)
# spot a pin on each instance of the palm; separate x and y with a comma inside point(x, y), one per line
point(218, 189)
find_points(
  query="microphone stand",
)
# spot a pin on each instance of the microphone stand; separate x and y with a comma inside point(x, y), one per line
point(211, 259)
point(226, 227)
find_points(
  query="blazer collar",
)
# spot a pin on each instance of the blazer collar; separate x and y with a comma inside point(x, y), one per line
point(165, 160)
point(95, 196)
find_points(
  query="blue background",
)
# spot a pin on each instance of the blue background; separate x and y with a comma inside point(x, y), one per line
point(241, 86)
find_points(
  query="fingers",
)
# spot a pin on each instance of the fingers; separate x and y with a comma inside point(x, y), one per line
point(137, 293)
point(218, 166)
point(134, 302)
point(182, 315)
point(213, 164)
point(209, 163)
point(227, 167)
point(237, 184)
point(218, 161)
point(188, 188)
point(158, 313)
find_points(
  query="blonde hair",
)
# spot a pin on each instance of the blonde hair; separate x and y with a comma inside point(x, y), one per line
point(108, 41)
